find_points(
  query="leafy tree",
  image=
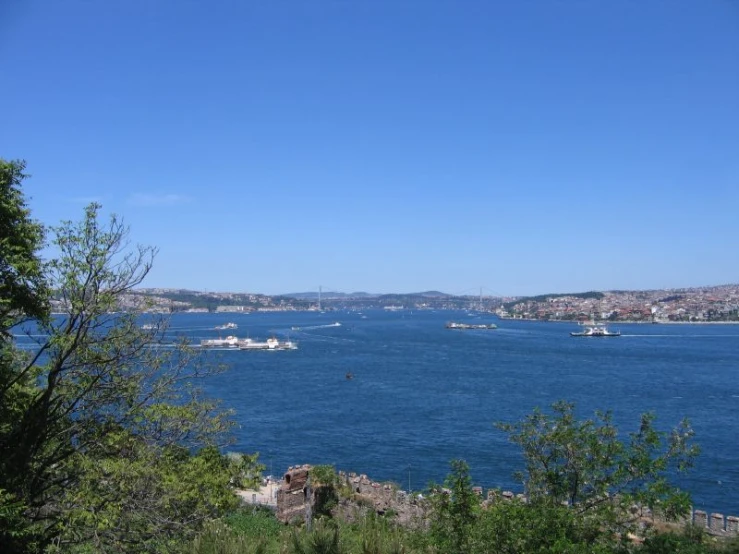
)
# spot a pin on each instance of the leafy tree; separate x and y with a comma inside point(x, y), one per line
point(455, 509)
point(588, 466)
point(23, 294)
point(516, 527)
point(105, 444)
point(22, 284)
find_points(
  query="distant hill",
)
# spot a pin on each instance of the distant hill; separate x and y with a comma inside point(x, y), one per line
point(432, 294)
point(328, 295)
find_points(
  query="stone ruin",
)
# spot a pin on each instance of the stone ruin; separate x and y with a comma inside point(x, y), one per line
point(293, 493)
point(382, 499)
point(716, 524)
point(298, 500)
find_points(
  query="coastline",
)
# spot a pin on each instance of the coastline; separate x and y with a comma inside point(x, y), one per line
point(627, 321)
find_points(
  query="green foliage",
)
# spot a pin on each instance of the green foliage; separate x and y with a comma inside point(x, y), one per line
point(586, 465)
point(246, 470)
point(147, 496)
point(15, 532)
point(23, 295)
point(455, 509)
point(380, 537)
point(255, 523)
point(219, 538)
point(515, 527)
point(258, 531)
point(324, 475)
point(105, 444)
point(324, 538)
point(731, 546)
point(692, 540)
point(325, 484)
point(23, 290)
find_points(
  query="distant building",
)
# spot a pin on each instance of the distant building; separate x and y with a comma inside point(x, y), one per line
point(233, 309)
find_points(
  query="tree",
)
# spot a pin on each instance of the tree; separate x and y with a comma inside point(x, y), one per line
point(23, 294)
point(517, 527)
point(106, 444)
point(22, 285)
point(455, 509)
point(588, 466)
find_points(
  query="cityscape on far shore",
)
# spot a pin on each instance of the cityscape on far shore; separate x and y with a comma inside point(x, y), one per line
point(713, 304)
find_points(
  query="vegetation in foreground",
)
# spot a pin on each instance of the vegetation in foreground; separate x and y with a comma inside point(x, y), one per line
point(587, 491)
point(458, 524)
point(510, 527)
point(107, 445)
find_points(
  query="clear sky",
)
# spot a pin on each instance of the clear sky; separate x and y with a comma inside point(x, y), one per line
point(388, 145)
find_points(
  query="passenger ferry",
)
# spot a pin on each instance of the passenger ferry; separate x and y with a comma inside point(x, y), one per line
point(249, 344)
point(229, 342)
point(454, 325)
point(595, 330)
point(270, 344)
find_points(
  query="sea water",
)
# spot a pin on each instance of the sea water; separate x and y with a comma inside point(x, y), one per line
point(421, 395)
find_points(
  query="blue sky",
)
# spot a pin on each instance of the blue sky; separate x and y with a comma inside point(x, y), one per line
point(388, 145)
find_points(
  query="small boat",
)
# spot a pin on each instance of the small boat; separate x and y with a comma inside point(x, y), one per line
point(149, 327)
point(595, 330)
point(226, 326)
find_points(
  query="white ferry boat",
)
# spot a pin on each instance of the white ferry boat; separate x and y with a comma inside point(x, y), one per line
point(249, 344)
point(595, 330)
point(455, 325)
point(270, 344)
point(229, 342)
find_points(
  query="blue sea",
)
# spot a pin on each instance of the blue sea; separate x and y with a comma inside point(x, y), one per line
point(422, 395)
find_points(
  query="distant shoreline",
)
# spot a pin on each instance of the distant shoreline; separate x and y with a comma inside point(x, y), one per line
point(630, 322)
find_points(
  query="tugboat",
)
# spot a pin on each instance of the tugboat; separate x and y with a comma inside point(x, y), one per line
point(595, 330)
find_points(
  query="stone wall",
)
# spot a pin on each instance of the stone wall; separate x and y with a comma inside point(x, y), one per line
point(383, 499)
point(296, 499)
point(716, 524)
